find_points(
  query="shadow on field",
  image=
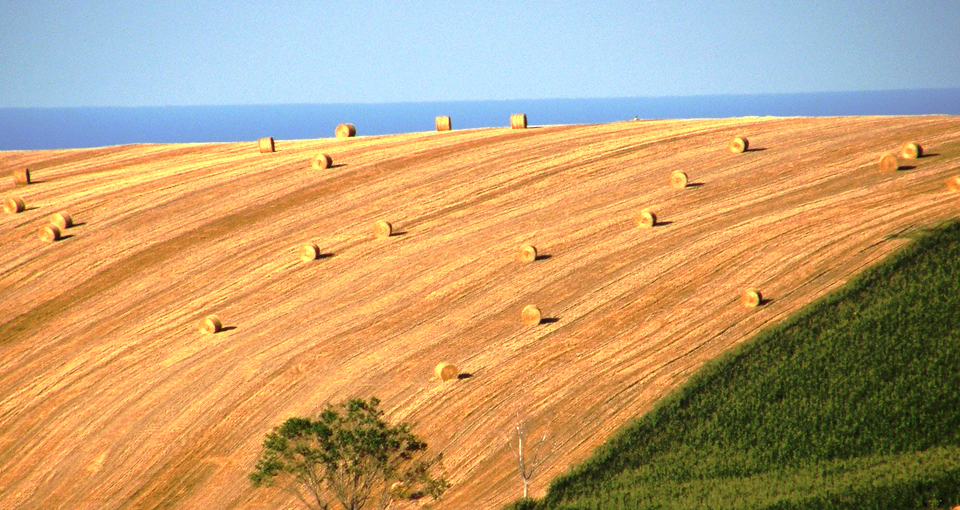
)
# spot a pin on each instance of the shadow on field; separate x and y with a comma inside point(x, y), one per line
point(549, 320)
point(932, 154)
point(662, 223)
point(228, 328)
point(757, 149)
point(694, 184)
point(545, 256)
point(464, 375)
point(905, 167)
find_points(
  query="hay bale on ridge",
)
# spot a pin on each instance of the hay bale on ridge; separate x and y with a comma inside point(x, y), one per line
point(646, 219)
point(889, 163)
point(446, 371)
point(678, 180)
point(738, 144)
point(211, 324)
point(382, 229)
point(309, 252)
point(911, 150)
point(266, 145)
point(62, 220)
point(14, 205)
point(530, 315)
point(49, 234)
point(527, 253)
point(751, 298)
point(518, 121)
point(953, 184)
point(345, 131)
point(21, 176)
point(443, 123)
point(321, 161)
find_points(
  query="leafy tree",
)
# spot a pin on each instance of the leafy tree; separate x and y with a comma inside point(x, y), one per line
point(349, 454)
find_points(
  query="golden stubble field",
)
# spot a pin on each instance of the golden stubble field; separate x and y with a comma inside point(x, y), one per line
point(110, 397)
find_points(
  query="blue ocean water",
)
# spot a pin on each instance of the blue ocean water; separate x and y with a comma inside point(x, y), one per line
point(61, 128)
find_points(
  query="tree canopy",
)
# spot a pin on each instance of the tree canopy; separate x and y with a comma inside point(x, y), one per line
point(349, 454)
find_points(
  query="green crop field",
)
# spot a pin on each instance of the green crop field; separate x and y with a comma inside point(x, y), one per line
point(852, 403)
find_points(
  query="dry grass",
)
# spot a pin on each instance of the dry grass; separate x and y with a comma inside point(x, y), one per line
point(321, 161)
point(266, 145)
point(678, 180)
point(211, 324)
point(345, 131)
point(738, 145)
point(443, 123)
point(527, 253)
point(445, 371)
point(530, 315)
point(178, 231)
point(14, 205)
point(889, 163)
point(518, 121)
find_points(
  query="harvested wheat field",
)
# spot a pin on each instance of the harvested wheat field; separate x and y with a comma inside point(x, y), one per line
point(110, 397)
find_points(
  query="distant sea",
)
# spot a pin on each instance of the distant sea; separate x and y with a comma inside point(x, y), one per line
point(61, 128)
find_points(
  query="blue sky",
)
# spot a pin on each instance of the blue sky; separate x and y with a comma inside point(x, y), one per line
point(108, 53)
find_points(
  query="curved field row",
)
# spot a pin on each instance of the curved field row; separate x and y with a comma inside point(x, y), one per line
point(110, 398)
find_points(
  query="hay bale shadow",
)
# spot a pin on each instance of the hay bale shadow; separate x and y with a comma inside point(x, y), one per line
point(545, 256)
point(549, 320)
point(228, 328)
point(662, 223)
point(903, 168)
point(464, 375)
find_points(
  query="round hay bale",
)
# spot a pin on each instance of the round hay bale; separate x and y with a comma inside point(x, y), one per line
point(678, 180)
point(211, 324)
point(14, 205)
point(62, 220)
point(443, 123)
point(266, 145)
point(49, 234)
point(518, 121)
point(446, 371)
point(321, 161)
point(889, 163)
point(345, 131)
point(911, 150)
point(953, 184)
point(751, 298)
point(530, 315)
point(309, 252)
point(738, 144)
point(646, 219)
point(382, 229)
point(21, 176)
point(527, 254)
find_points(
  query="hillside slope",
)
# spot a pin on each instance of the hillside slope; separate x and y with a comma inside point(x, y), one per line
point(109, 397)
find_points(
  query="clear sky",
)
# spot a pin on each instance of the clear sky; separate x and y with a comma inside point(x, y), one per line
point(139, 53)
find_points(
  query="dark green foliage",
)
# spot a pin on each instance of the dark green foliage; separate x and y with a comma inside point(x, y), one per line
point(854, 402)
point(351, 454)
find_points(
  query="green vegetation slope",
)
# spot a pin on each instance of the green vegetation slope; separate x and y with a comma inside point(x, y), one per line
point(852, 403)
